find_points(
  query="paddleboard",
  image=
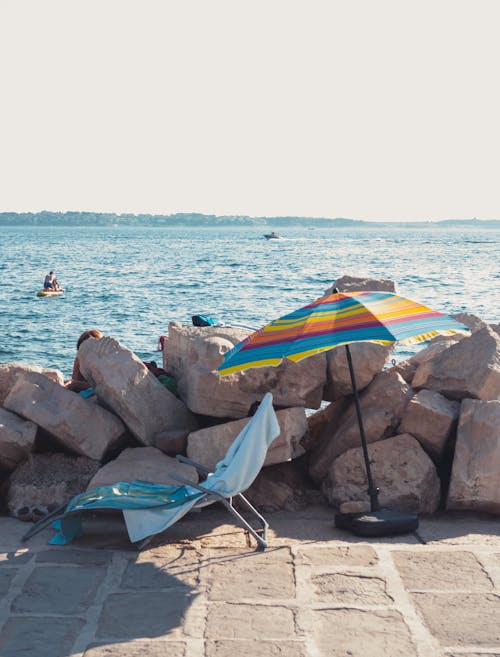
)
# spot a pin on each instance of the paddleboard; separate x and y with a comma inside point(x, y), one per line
point(43, 293)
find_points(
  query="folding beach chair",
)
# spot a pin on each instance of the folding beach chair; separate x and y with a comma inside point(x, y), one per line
point(151, 508)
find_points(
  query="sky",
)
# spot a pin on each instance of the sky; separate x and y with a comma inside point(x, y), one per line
point(366, 109)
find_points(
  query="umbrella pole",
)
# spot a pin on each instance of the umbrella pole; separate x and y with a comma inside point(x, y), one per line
point(372, 489)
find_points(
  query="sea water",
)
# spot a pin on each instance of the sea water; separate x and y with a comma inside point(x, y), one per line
point(130, 282)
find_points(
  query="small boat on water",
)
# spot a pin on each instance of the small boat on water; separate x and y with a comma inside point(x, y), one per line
point(50, 293)
point(272, 236)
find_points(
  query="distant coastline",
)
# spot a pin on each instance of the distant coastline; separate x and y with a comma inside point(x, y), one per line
point(55, 219)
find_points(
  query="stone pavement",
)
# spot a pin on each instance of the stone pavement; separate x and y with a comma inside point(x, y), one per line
point(201, 590)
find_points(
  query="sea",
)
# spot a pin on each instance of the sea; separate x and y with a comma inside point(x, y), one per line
point(130, 282)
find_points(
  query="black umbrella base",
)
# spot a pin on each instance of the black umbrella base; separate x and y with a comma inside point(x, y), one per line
point(386, 522)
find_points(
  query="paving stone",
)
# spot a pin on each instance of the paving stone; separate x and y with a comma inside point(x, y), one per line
point(6, 577)
point(15, 558)
point(442, 571)
point(338, 555)
point(157, 572)
point(143, 614)
point(202, 528)
point(457, 619)
point(257, 648)
point(68, 555)
point(39, 637)
point(344, 589)
point(357, 633)
point(460, 528)
point(59, 590)
point(244, 621)
point(148, 648)
point(252, 575)
point(472, 654)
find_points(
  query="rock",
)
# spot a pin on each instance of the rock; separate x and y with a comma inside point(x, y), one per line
point(471, 321)
point(17, 439)
point(193, 354)
point(430, 418)
point(205, 346)
point(324, 422)
point(9, 371)
point(172, 442)
point(434, 347)
point(209, 446)
point(441, 342)
point(403, 472)
point(79, 425)
point(126, 386)
point(368, 359)
point(269, 495)
point(469, 368)
point(405, 370)
point(45, 482)
point(475, 481)
point(282, 486)
point(144, 464)
point(382, 406)
point(355, 284)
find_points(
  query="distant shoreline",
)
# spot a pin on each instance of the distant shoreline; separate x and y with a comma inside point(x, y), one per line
point(69, 219)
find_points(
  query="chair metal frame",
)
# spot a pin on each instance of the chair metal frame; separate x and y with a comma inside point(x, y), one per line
point(260, 534)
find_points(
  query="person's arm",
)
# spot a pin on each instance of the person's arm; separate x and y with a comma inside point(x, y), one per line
point(76, 374)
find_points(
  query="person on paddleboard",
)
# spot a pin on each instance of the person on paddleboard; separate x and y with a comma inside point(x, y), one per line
point(48, 283)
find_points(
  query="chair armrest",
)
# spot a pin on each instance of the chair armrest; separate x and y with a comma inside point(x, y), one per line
point(201, 488)
point(198, 466)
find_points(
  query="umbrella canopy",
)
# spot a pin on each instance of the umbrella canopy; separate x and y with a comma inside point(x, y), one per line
point(339, 319)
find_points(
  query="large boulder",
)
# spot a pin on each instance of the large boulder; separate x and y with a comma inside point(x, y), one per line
point(357, 284)
point(76, 423)
point(434, 347)
point(127, 387)
point(469, 368)
point(439, 343)
point(473, 322)
point(9, 371)
point(382, 405)
point(283, 486)
point(144, 464)
point(17, 439)
point(320, 425)
point(45, 482)
point(172, 442)
point(403, 472)
point(368, 359)
point(193, 354)
point(209, 446)
point(430, 418)
point(475, 480)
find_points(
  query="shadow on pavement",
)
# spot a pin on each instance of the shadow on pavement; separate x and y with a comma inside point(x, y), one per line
point(58, 601)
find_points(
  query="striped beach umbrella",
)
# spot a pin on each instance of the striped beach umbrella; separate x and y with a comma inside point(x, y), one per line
point(341, 319)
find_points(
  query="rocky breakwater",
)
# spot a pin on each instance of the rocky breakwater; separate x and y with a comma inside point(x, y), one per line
point(432, 422)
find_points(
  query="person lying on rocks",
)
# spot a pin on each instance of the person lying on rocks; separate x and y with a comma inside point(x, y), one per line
point(77, 383)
